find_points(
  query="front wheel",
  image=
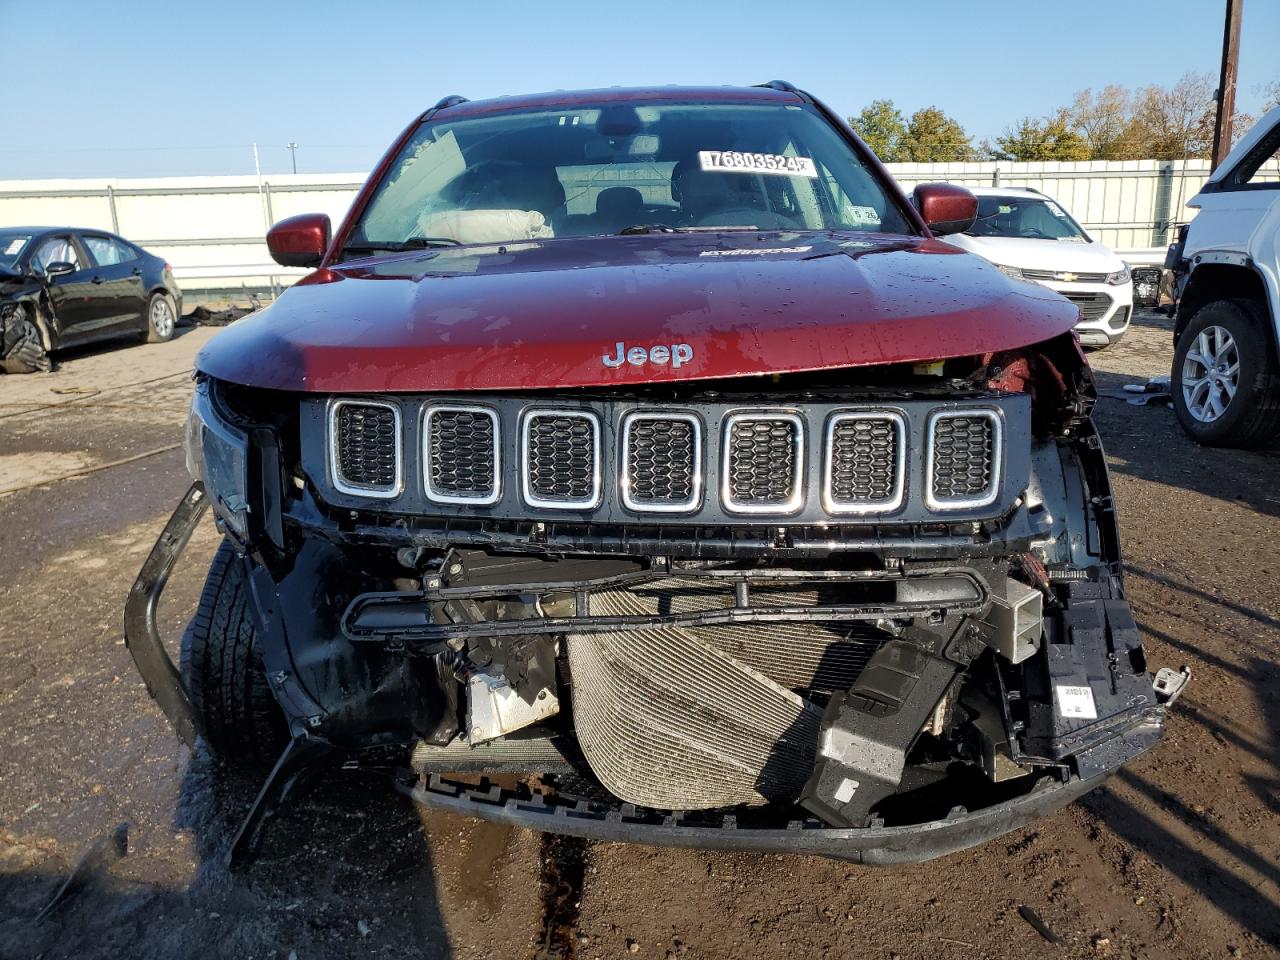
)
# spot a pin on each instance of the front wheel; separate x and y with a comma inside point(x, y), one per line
point(223, 673)
point(1225, 381)
point(162, 318)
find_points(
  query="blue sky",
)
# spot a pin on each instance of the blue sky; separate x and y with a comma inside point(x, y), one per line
point(173, 88)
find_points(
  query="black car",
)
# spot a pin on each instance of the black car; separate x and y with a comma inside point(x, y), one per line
point(61, 286)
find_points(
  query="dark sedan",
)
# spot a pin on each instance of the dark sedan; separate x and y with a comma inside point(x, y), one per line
point(61, 286)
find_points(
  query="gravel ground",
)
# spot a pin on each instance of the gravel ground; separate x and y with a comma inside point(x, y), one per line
point(1177, 856)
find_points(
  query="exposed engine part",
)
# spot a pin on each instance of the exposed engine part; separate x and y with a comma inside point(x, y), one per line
point(993, 737)
point(867, 732)
point(1014, 625)
point(495, 708)
point(515, 754)
point(20, 348)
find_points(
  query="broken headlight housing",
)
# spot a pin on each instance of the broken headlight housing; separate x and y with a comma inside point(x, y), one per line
point(217, 455)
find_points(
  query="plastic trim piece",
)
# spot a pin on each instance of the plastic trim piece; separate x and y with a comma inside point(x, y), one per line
point(794, 502)
point(335, 475)
point(597, 486)
point(624, 467)
point(835, 507)
point(438, 497)
point(997, 458)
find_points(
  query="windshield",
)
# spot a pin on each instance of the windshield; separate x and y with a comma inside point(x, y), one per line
point(11, 247)
point(1027, 217)
point(594, 171)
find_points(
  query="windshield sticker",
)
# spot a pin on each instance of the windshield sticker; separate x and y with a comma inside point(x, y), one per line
point(15, 245)
point(757, 251)
point(733, 161)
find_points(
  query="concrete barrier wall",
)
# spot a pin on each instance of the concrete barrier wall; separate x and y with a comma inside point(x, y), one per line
point(211, 229)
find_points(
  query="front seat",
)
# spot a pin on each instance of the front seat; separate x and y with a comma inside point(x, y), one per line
point(618, 208)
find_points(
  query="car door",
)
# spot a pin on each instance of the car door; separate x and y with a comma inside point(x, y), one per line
point(71, 295)
point(118, 275)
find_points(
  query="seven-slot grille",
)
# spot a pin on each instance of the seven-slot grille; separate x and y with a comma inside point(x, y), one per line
point(866, 460)
point(1093, 306)
point(660, 465)
point(963, 467)
point(364, 453)
point(662, 462)
point(763, 463)
point(561, 459)
point(461, 462)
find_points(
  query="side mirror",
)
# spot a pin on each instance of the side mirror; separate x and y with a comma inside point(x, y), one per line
point(945, 208)
point(299, 241)
point(58, 268)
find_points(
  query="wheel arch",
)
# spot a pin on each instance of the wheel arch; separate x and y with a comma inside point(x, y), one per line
point(1224, 277)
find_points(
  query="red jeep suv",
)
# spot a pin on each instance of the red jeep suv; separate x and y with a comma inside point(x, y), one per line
point(639, 464)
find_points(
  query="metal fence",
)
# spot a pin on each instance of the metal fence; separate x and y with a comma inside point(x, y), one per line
point(212, 229)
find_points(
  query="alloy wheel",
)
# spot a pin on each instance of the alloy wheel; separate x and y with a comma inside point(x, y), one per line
point(161, 317)
point(1211, 374)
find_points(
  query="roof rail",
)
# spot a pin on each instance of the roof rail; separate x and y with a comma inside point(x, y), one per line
point(444, 103)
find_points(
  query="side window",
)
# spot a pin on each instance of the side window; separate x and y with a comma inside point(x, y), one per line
point(54, 250)
point(108, 252)
point(1268, 171)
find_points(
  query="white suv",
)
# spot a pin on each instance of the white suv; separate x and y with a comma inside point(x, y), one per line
point(1226, 368)
point(1029, 235)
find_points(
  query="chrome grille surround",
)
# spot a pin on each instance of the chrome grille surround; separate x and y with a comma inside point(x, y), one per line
point(532, 447)
point(433, 464)
point(896, 458)
point(947, 452)
point(732, 472)
point(1061, 276)
point(629, 469)
point(337, 438)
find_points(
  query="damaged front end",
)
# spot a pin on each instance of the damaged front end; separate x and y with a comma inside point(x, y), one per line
point(874, 613)
point(22, 348)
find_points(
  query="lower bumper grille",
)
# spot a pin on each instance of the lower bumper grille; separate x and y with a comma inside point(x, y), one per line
point(1093, 306)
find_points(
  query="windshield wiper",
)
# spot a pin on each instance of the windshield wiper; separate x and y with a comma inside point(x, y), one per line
point(413, 243)
point(639, 228)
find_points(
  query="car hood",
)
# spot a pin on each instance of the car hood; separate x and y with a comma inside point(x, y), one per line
point(553, 314)
point(1058, 255)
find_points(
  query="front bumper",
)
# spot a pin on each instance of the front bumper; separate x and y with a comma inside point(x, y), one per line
point(1107, 310)
point(874, 845)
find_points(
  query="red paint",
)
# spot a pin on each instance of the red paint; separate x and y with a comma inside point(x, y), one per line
point(945, 207)
point(299, 241)
point(543, 315)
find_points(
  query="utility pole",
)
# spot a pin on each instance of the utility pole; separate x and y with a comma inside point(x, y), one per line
point(1226, 110)
point(293, 154)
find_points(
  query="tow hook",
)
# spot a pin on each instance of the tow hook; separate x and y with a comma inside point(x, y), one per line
point(1170, 683)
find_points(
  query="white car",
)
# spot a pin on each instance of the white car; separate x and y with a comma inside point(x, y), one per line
point(1226, 340)
point(1029, 235)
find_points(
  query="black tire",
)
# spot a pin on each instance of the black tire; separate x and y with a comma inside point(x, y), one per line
point(158, 332)
point(1252, 417)
point(223, 672)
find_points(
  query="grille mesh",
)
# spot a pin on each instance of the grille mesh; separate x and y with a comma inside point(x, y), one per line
point(561, 451)
point(762, 462)
point(864, 462)
point(661, 462)
point(1057, 275)
point(963, 457)
point(462, 453)
point(366, 446)
point(1093, 306)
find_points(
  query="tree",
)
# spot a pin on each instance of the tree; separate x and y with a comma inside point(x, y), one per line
point(1101, 120)
point(883, 128)
point(1049, 139)
point(933, 137)
point(1271, 95)
point(1170, 123)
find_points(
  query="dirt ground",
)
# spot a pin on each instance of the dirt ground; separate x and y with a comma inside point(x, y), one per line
point(1176, 856)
